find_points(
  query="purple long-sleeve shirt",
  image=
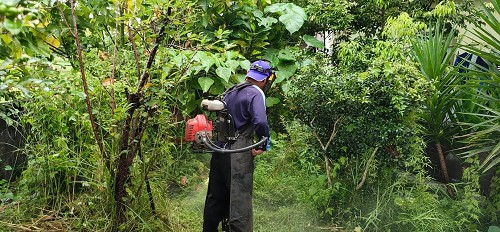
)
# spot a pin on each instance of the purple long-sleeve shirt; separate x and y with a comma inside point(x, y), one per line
point(248, 105)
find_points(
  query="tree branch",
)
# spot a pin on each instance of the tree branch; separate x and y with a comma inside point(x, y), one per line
point(113, 65)
point(365, 173)
point(134, 48)
point(85, 86)
point(66, 21)
point(332, 135)
point(325, 147)
point(152, 55)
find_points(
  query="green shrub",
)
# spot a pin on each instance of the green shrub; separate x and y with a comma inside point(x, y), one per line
point(378, 108)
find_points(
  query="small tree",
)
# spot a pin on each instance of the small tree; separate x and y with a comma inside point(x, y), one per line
point(434, 52)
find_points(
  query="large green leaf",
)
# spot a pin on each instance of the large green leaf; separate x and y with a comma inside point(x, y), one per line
point(274, 8)
point(245, 64)
point(189, 103)
point(286, 56)
point(204, 4)
point(292, 16)
point(232, 55)
point(179, 59)
point(311, 41)
point(292, 22)
point(13, 27)
point(494, 229)
point(205, 83)
point(271, 101)
point(267, 21)
point(285, 71)
point(233, 65)
point(217, 88)
point(224, 73)
point(206, 59)
point(285, 87)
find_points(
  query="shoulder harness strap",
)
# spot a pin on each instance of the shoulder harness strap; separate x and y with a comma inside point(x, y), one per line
point(236, 88)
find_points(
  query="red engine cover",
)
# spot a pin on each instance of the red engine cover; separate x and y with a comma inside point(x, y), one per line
point(198, 123)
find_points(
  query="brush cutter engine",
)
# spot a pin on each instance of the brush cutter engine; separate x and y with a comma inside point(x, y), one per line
point(200, 131)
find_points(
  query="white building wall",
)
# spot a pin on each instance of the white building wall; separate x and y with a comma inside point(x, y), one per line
point(468, 31)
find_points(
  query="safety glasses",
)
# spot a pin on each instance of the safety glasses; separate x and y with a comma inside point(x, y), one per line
point(259, 68)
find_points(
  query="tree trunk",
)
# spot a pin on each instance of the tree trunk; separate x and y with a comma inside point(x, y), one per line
point(124, 163)
point(131, 136)
point(327, 166)
point(442, 162)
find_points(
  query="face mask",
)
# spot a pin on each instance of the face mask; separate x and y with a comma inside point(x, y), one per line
point(269, 82)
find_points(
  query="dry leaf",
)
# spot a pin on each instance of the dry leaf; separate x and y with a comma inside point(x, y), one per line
point(106, 82)
point(103, 55)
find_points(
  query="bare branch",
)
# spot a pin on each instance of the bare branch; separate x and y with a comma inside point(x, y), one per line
point(85, 86)
point(66, 21)
point(151, 58)
point(334, 132)
point(332, 135)
point(325, 147)
point(365, 173)
point(316, 135)
point(113, 65)
point(134, 48)
point(67, 25)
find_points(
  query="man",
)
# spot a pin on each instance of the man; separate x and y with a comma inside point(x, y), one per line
point(229, 196)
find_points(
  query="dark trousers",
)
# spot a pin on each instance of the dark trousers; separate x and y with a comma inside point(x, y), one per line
point(217, 201)
point(230, 189)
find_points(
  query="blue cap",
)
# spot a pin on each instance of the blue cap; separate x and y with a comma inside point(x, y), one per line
point(259, 70)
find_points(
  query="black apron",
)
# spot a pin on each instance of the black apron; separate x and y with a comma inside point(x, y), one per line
point(229, 195)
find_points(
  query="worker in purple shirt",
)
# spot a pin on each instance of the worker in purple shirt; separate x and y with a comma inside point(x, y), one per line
point(229, 196)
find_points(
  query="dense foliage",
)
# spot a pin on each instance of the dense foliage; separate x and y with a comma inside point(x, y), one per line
point(377, 105)
point(104, 88)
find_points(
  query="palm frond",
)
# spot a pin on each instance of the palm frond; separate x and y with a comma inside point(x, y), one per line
point(483, 88)
point(434, 52)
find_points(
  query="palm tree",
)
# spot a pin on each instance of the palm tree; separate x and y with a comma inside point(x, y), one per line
point(434, 52)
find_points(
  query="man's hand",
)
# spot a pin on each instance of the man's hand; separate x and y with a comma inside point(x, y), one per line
point(256, 152)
